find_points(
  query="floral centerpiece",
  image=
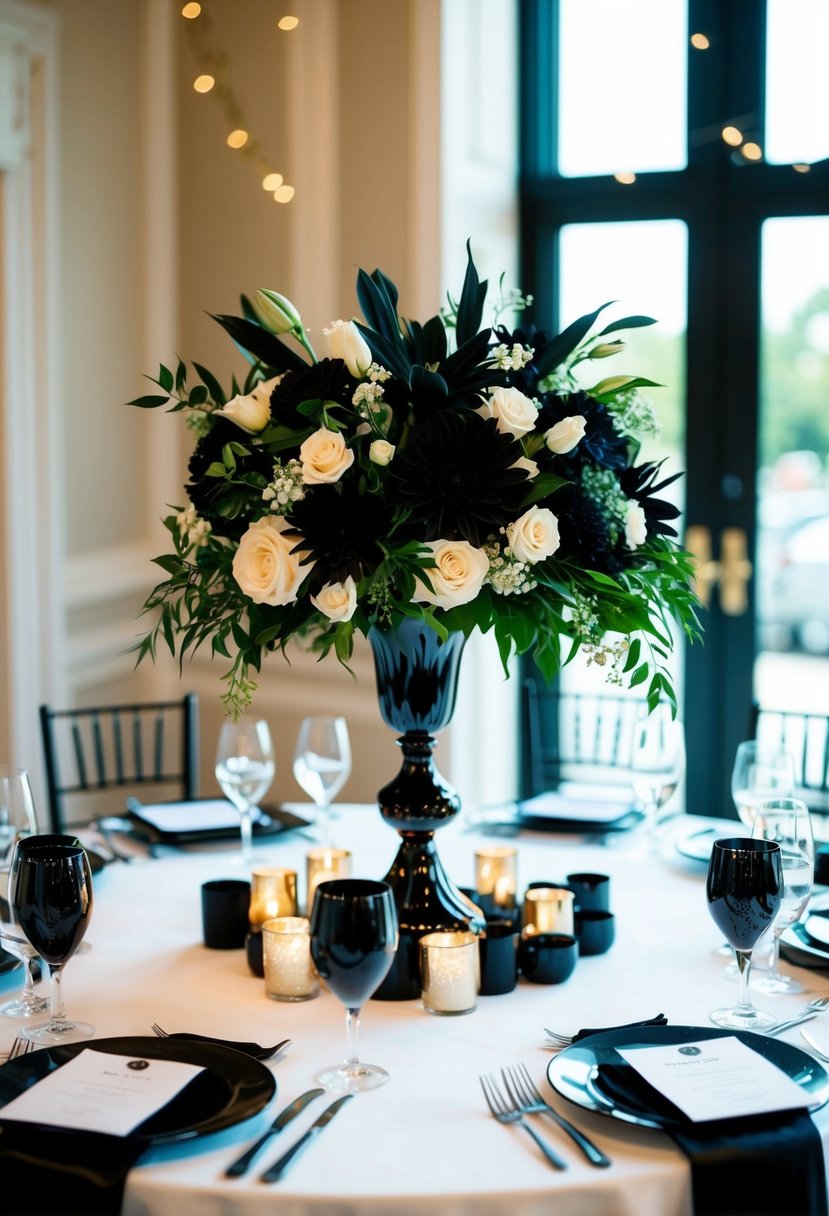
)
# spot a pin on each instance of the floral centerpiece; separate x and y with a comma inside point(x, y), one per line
point(450, 471)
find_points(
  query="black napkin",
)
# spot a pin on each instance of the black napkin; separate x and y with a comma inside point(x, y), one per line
point(760, 1165)
point(55, 1171)
point(659, 1020)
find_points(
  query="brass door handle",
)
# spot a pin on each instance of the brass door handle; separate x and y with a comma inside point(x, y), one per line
point(732, 571)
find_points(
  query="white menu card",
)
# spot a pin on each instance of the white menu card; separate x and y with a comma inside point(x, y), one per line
point(100, 1092)
point(719, 1078)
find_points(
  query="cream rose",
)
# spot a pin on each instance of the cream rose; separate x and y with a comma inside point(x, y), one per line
point(529, 466)
point(252, 411)
point(381, 451)
point(565, 435)
point(534, 536)
point(347, 343)
point(337, 601)
point(456, 577)
point(324, 457)
point(636, 525)
point(264, 566)
point(514, 412)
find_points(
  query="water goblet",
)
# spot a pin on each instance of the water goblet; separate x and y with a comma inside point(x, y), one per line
point(354, 937)
point(657, 765)
point(760, 772)
point(52, 898)
point(17, 819)
point(245, 769)
point(744, 887)
point(322, 763)
point(788, 822)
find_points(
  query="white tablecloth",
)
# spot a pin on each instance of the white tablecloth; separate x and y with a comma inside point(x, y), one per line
point(425, 1141)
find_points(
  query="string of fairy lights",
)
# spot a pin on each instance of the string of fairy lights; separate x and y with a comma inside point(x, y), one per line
point(214, 80)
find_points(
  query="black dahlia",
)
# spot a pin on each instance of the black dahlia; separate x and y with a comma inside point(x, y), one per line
point(341, 531)
point(328, 380)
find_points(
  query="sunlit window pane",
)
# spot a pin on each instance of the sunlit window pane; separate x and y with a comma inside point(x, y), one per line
point(797, 81)
point(622, 86)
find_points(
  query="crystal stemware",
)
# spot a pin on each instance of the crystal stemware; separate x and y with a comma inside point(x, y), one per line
point(657, 765)
point(17, 819)
point(760, 772)
point(245, 769)
point(322, 763)
point(788, 822)
point(744, 888)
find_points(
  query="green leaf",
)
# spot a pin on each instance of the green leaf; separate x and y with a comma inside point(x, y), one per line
point(556, 351)
point(471, 306)
point(252, 339)
point(165, 378)
point(635, 322)
point(149, 402)
point(213, 387)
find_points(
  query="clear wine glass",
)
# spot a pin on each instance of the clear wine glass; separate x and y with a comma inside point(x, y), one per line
point(788, 822)
point(322, 763)
point(17, 819)
point(354, 937)
point(245, 769)
point(657, 765)
point(52, 899)
point(744, 888)
point(760, 772)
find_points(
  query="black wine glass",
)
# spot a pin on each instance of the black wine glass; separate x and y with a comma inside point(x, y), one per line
point(52, 898)
point(354, 937)
point(744, 889)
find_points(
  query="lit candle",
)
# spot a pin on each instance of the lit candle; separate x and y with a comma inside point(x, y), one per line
point(450, 972)
point(289, 969)
point(322, 864)
point(547, 910)
point(272, 893)
point(496, 875)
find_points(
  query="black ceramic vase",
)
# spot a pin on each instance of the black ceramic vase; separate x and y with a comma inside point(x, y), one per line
point(417, 682)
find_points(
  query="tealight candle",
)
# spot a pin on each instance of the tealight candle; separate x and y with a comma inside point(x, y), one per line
point(495, 876)
point(289, 970)
point(450, 972)
point(547, 910)
point(272, 893)
point(322, 864)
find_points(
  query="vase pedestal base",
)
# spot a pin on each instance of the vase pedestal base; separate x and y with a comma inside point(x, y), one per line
point(427, 902)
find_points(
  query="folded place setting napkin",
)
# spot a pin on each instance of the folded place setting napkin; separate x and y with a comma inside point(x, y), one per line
point(52, 1170)
point(761, 1165)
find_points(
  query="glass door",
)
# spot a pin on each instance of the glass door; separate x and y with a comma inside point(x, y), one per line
point(674, 158)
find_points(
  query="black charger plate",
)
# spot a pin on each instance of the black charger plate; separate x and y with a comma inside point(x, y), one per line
point(274, 821)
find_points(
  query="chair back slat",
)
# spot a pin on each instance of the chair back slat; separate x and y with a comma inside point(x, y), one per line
point(137, 748)
point(80, 759)
point(118, 749)
point(806, 735)
point(159, 744)
point(98, 742)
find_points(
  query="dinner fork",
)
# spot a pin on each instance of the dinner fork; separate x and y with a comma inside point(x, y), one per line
point(506, 1112)
point(20, 1047)
point(808, 1012)
point(526, 1096)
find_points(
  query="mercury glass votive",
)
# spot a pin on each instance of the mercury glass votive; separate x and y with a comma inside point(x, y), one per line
point(290, 974)
point(272, 893)
point(450, 972)
point(496, 871)
point(322, 864)
point(547, 910)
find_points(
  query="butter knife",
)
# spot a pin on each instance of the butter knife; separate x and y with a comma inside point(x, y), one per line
point(278, 1169)
point(240, 1165)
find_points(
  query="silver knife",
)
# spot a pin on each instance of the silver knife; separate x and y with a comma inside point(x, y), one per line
point(279, 1167)
point(804, 1017)
point(290, 1112)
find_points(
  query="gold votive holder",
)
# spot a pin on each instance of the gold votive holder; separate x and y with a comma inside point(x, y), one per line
point(547, 910)
point(286, 950)
point(272, 893)
point(450, 972)
point(321, 864)
point(496, 877)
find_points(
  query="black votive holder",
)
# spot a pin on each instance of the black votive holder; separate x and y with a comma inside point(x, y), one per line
point(253, 951)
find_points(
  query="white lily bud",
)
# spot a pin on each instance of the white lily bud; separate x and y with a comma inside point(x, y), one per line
point(347, 343)
point(276, 312)
point(605, 349)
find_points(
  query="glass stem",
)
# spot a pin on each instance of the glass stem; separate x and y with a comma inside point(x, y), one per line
point(774, 960)
point(247, 835)
point(56, 1009)
point(744, 1005)
point(352, 1031)
point(31, 965)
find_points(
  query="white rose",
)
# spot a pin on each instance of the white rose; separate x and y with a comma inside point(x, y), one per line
point(636, 525)
point(264, 566)
point(515, 413)
point(456, 577)
point(530, 467)
point(565, 435)
point(381, 451)
point(251, 412)
point(534, 536)
point(324, 457)
point(347, 343)
point(337, 601)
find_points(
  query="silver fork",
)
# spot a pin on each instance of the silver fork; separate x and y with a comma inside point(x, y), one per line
point(505, 1112)
point(525, 1095)
point(808, 1012)
point(20, 1047)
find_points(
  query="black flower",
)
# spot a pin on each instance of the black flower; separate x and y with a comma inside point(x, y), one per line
point(457, 477)
point(228, 507)
point(341, 530)
point(602, 443)
point(638, 483)
point(328, 380)
point(588, 534)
